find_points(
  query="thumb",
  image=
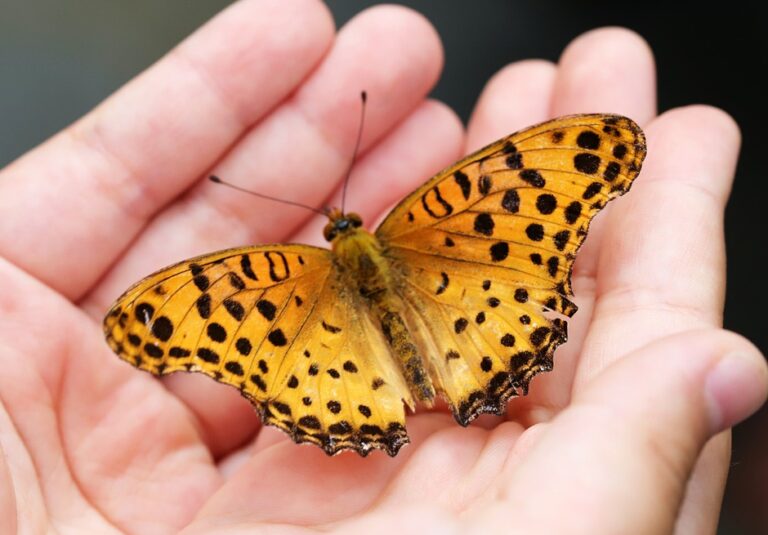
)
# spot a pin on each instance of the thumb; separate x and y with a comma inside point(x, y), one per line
point(618, 458)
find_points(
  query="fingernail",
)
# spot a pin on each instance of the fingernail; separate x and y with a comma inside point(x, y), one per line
point(736, 387)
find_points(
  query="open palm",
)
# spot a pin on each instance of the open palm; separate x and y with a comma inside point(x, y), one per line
point(266, 96)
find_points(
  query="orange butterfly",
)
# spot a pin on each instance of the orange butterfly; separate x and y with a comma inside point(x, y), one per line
point(449, 296)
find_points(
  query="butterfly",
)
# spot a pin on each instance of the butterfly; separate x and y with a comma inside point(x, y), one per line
point(460, 293)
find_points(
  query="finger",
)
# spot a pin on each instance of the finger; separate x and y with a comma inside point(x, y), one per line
point(607, 70)
point(700, 510)
point(430, 139)
point(627, 449)
point(83, 196)
point(256, 493)
point(662, 264)
point(517, 96)
point(67, 398)
point(672, 277)
point(302, 150)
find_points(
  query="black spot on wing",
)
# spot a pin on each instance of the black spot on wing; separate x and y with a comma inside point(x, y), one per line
point(587, 163)
point(561, 239)
point(573, 212)
point(592, 190)
point(277, 338)
point(484, 184)
point(234, 308)
point(162, 328)
point(153, 350)
point(216, 332)
point(511, 201)
point(445, 207)
point(546, 203)
point(202, 282)
point(484, 224)
point(460, 325)
point(178, 352)
point(144, 312)
point(235, 281)
point(330, 328)
point(234, 368)
point(499, 251)
point(245, 265)
point(612, 170)
point(463, 181)
point(208, 355)
point(533, 177)
point(266, 308)
point(588, 140)
point(243, 346)
point(515, 161)
point(278, 271)
point(443, 283)
point(203, 305)
point(535, 232)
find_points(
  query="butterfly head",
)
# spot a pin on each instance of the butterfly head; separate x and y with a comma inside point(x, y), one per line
point(341, 224)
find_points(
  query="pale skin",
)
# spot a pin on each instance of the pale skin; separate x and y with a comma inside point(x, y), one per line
point(627, 435)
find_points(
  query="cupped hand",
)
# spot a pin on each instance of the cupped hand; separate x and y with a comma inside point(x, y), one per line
point(625, 435)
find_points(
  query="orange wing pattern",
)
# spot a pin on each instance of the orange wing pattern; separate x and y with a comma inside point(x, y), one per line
point(274, 322)
point(487, 248)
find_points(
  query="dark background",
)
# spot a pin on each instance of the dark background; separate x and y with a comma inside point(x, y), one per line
point(58, 59)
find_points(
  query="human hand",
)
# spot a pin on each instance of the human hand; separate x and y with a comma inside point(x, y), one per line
point(613, 440)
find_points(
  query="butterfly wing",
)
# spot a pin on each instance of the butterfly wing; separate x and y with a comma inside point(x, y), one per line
point(488, 244)
point(277, 323)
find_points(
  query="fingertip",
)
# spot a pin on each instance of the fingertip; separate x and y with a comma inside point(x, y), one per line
point(609, 69)
point(393, 54)
point(623, 40)
point(516, 96)
point(736, 385)
point(710, 376)
point(404, 25)
point(241, 48)
point(698, 119)
point(528, 72)
point(696, 145)
point(446, 117)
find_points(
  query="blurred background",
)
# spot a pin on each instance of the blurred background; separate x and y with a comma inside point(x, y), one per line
point(58, 59)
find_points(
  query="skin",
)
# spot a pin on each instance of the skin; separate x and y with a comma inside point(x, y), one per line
point(627, 435)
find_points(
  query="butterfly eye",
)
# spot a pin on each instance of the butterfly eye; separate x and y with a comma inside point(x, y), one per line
point(354, 220)
point(329, 232)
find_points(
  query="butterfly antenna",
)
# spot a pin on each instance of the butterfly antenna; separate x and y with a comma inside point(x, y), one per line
point(363, 98)
point(217, 180)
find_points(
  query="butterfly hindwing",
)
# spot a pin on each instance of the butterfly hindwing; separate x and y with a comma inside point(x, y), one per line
point(488, 244)
point(276, 323)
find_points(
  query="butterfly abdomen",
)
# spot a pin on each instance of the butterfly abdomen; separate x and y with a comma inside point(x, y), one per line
point(401, 342)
